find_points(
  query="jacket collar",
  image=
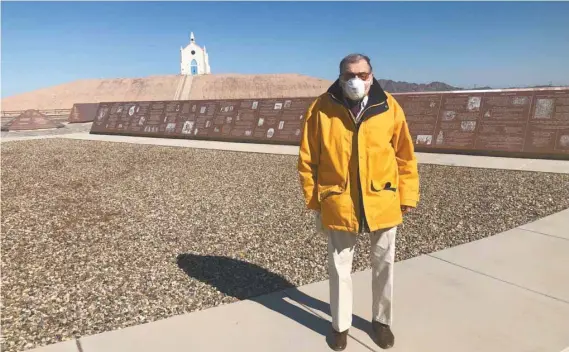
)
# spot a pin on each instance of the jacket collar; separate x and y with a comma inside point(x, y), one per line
point(376, 93)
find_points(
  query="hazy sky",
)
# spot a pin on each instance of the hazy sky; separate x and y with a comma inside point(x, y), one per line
point(460, 43)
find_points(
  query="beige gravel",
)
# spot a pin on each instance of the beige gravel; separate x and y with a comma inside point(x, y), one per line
point(91, 230)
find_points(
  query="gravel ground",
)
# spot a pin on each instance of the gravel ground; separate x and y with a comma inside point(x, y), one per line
point(92, 231)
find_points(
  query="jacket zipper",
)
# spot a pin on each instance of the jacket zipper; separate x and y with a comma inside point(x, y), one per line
point(357, 126)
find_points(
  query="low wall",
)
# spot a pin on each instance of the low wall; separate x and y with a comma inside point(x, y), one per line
point(514, 122)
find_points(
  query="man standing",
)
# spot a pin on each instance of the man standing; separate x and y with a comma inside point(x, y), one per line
point(358, 171)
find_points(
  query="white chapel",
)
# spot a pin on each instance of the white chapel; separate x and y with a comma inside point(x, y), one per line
point(193, 59)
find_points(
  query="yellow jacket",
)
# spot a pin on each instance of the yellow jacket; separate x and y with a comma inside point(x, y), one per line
point(339, 160)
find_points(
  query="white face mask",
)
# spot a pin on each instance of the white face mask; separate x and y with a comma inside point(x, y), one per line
point(355, 88)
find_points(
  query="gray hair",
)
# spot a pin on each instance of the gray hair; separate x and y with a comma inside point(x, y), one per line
point(352, 59)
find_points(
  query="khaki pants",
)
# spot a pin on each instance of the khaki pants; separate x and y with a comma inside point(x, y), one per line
point(340, 256)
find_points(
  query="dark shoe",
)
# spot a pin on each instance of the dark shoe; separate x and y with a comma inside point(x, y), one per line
point(338, 340)
point(383, 335)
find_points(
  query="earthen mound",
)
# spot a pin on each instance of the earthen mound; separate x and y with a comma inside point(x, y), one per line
point(170, 87)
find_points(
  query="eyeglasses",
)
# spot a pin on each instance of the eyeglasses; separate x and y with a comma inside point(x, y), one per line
point(349, 75)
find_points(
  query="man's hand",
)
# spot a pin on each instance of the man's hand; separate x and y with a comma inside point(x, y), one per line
point(406, 209)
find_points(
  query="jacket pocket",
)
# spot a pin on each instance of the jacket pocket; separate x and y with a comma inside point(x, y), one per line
point(377, 186)
point(327, 191)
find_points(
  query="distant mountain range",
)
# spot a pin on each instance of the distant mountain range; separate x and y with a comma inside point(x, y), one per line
point(404, 87)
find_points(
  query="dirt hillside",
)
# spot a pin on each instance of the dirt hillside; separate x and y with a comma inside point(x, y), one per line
point(234, 86)
point(170, 87)
point(93, 91)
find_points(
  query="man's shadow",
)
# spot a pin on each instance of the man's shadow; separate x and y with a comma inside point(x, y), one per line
point(244, 280)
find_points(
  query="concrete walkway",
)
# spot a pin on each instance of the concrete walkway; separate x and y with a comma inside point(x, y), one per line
point(70, 128)
point(539, 165)
point(505, 293)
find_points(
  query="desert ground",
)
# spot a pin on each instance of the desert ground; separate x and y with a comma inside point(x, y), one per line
point(93, 232)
